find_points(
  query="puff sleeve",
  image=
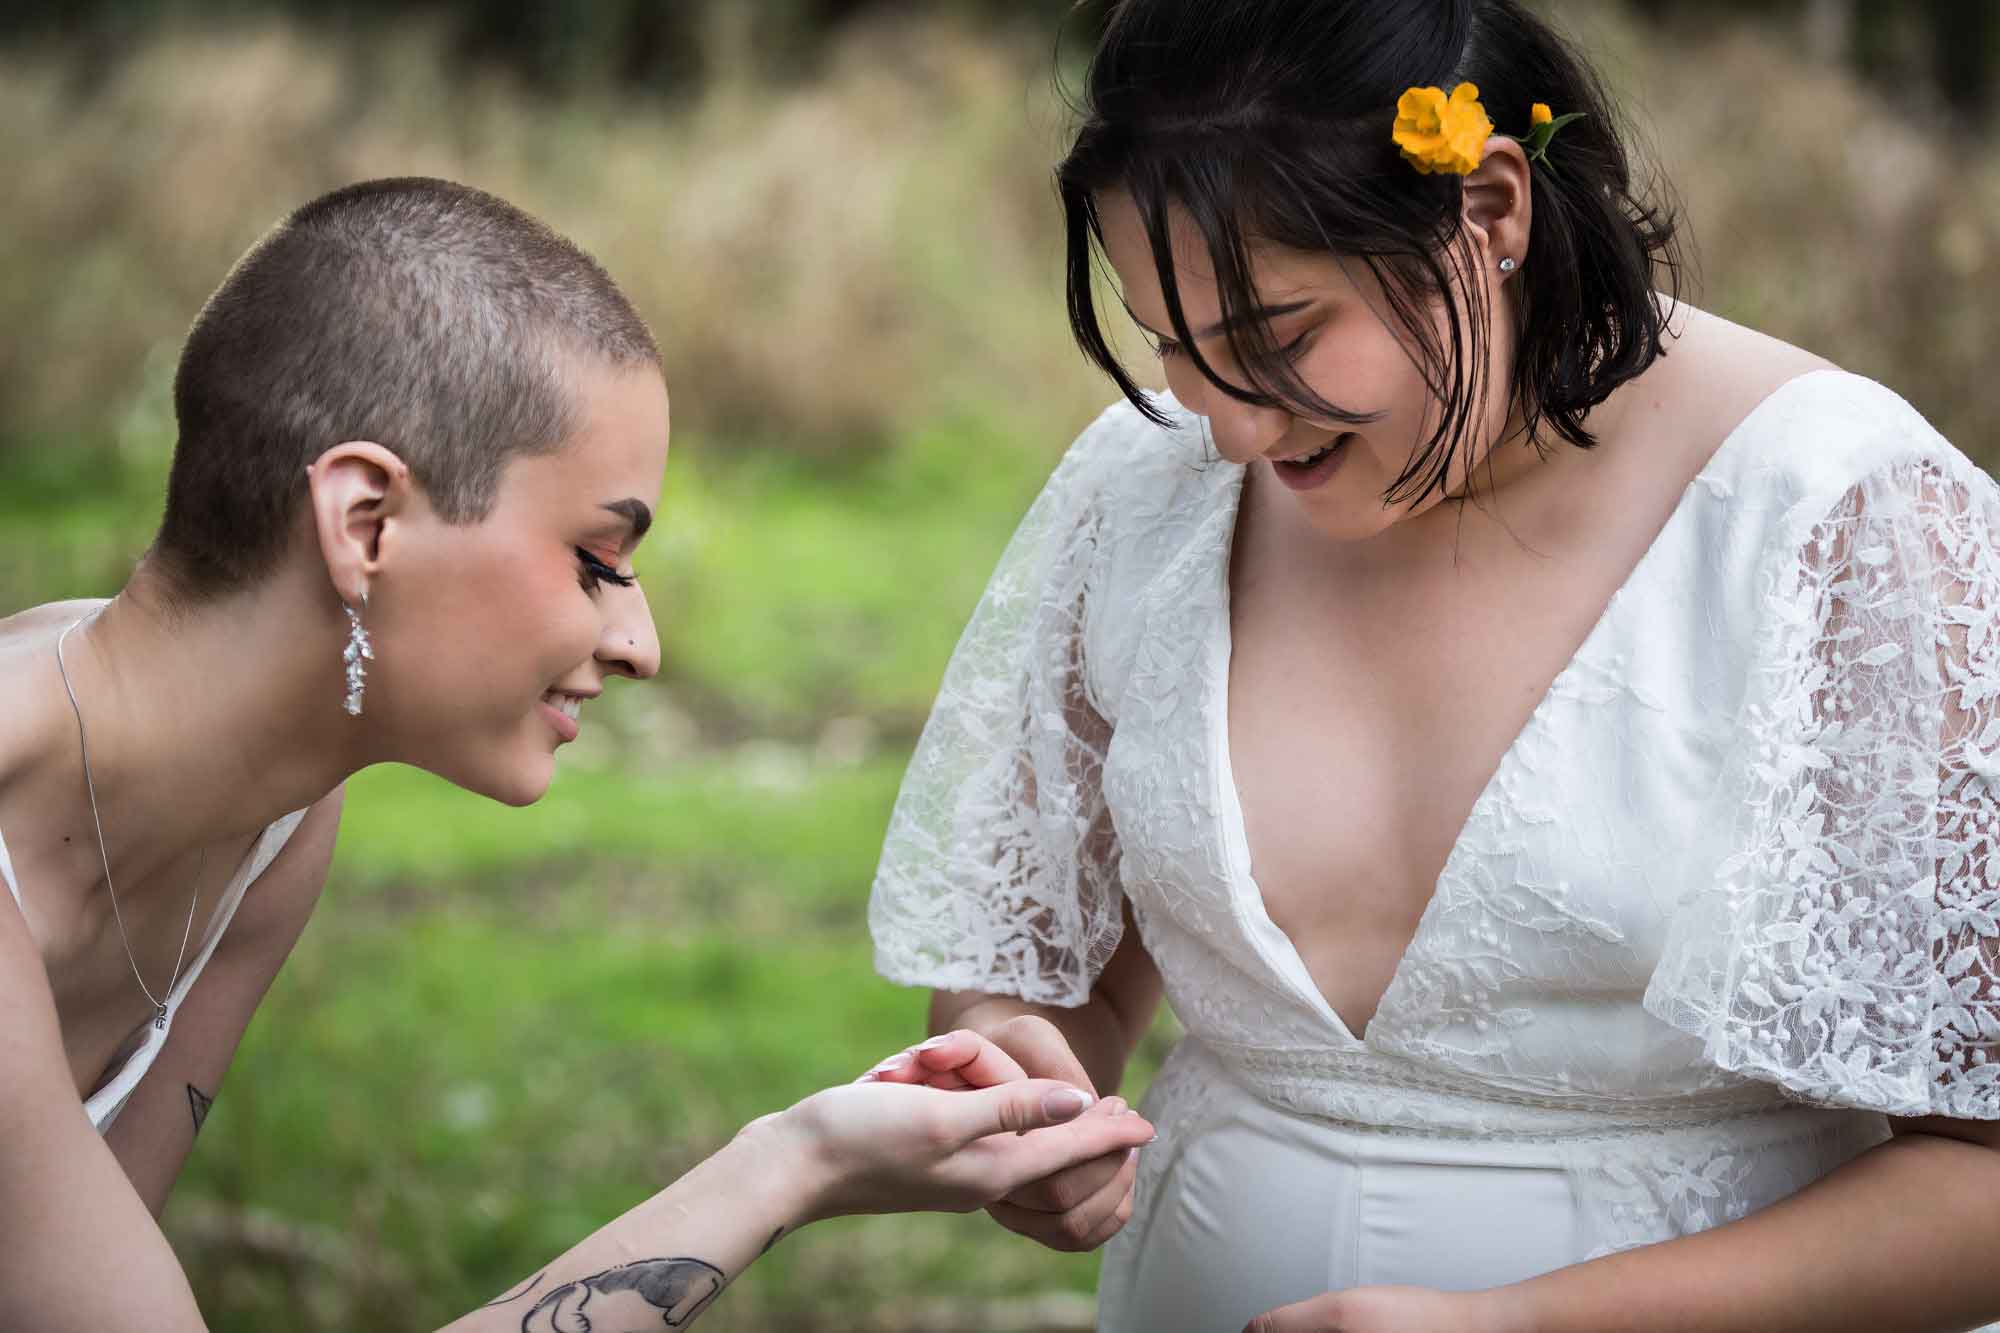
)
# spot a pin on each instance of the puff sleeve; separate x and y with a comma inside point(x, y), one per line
point(1846, 946)
point(999, 871)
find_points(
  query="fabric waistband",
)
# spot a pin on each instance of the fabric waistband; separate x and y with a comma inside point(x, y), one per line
point(1368, 1089)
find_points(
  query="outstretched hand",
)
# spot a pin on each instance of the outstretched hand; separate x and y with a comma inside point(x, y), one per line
point(881, 1146)
point(1075, 1208)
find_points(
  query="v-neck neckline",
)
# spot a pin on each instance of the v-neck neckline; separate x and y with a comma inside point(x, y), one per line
point(1278, 948)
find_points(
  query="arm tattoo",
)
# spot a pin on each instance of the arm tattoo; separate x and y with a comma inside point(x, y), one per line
point(198, 1104)
point(518, 1292)
point(635, 1295)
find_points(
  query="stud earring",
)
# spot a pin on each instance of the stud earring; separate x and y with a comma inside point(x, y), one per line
point(1508, 265)
point(359, 649)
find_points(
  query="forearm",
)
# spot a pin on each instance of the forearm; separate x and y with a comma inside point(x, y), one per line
point(1902, 1238)
point(1095, 1031)
point(665, 1262)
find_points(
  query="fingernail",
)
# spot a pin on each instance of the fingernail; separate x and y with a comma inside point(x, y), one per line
point(1065, 1103)
point(868, 1077)
point(1117, 1106)
point(894, 1062)
point(935, 1042)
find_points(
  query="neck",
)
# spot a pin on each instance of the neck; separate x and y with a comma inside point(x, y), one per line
point(208, 723)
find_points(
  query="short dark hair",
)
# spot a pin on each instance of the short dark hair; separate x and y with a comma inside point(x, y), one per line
point(432, 318)
point(1270, 120)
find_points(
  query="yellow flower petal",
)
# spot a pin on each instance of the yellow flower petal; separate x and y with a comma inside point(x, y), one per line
point(1540, 114)
point(1439, 133)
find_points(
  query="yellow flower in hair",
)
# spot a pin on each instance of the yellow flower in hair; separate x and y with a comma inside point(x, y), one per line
point(1539, 114)
point(1439, 133)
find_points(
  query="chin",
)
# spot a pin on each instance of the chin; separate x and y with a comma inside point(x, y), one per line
point(523, 782)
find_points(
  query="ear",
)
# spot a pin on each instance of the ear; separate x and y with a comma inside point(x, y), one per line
point(1498, 203)
point(357, 490)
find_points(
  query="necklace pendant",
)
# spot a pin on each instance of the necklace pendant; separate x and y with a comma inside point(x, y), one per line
point(160, 1017)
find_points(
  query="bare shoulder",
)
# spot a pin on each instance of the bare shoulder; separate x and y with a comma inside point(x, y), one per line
point(30, 717)
point(1715, 372)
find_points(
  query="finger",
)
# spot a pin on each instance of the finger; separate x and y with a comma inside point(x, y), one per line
point(949, 1081)
point(1020, 1106)
point(972, 1057)
point(1082, 1228)
point(1121, 1213)
point(1011, 1162)
point(1087, 1221)
point(1042, 1228)
point(1040, 1049)
point(902, 1067)
point(1066, 1189)
point(1304, 1317)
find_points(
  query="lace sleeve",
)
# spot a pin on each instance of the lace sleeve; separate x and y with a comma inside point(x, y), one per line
point(1846, 948)
point(999, 871)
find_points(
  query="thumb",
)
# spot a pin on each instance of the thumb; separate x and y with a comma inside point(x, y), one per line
point(1025, 1104)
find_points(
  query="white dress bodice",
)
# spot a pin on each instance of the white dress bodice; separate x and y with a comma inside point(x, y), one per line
point(1724, 903)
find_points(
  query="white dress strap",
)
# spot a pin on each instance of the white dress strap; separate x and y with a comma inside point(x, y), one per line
point(105, 1104)
point(7, 873)
point(108, 1100)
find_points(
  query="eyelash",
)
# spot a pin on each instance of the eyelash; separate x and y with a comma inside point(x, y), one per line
point(1291, 351)
point(596, 572)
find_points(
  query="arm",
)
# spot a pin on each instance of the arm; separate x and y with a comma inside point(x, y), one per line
point(869, 1147)
point(1088, 1045)
point(83, 1252)
point(1086, 1204)
point(1902, 1237)
point(155, 1132)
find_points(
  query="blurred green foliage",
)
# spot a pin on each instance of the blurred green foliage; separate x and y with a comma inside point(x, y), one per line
point(505, 1026)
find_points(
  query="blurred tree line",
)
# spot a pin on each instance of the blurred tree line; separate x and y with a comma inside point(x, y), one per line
point(668, 47)
point(1943, 52)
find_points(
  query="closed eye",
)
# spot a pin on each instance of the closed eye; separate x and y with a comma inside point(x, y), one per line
point(596, 572)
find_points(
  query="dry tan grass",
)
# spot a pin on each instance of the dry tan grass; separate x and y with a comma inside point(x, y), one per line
point(831, 262)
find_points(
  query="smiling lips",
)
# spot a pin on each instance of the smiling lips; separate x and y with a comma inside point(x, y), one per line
point(563, 710)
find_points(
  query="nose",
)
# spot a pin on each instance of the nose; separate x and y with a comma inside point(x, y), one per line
point(629, 645)
point(1242, 431)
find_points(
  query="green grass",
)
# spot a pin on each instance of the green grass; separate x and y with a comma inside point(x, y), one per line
point(506, 1027)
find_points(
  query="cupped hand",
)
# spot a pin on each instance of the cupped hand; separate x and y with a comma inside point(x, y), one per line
point(1385, 1310)
point(1076, 1208)
point(875, 1147)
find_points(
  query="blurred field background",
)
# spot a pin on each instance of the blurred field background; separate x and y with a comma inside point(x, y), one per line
point(507, 1026)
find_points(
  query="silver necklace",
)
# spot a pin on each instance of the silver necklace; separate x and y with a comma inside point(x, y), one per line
point(159, 1005)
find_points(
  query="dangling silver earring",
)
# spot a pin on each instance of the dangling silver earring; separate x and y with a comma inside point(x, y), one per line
point(359, 649)
point(1508, 265)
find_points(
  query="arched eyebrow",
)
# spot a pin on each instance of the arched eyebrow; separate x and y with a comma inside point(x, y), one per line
point(1263, 313)
point(635, 512)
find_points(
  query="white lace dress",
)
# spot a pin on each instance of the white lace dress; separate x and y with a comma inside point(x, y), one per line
point(1727, 901)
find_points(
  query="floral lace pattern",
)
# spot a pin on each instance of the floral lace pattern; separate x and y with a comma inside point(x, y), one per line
point(1739, 859)
point(1846, 948)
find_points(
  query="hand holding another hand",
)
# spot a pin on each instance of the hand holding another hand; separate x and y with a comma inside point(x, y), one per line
point(950, 1145)
point(1077, 1207)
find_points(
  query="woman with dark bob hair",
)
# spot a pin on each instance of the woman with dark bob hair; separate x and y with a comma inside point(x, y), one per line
point(1540, 736)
